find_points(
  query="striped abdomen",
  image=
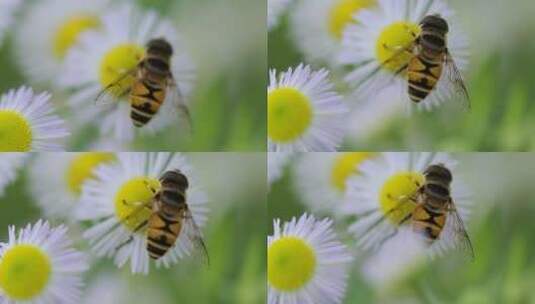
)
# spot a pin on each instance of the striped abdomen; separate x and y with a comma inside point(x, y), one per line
point(428, 221)
point(425, 69)
point(162, 233)
point(148, 93)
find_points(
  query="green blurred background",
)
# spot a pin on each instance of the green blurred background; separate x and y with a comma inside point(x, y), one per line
point(236, 187)
point(500, 78)
point(227, 40)
point(501, 228)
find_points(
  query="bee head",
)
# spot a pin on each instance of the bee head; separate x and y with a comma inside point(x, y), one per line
point(175, 178)
point(438, 172)
point(160, 46)
point(435, 23)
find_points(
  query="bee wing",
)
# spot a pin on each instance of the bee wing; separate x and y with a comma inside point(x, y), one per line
point(176, 98)
point(194, 235)
point(461, 238)
point(114, 91)
point(456, 78)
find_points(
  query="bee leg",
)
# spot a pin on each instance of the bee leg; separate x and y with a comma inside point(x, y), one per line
point(150, 187)
point(131, 238)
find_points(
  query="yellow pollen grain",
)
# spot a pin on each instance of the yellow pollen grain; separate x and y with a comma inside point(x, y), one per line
point(291, 263)
point(68, 32)
point(346, 165)
point(15, 132)
point(116, 62)
point(81, 169)
point(289, 114)
point(395, 37)
point(25, 271)
point(342, 13)
point(394, 194)
point(130, 199)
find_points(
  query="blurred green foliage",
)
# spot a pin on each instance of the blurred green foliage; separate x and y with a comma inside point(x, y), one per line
point(228, 102)
point(501, 229)
point(236, 243)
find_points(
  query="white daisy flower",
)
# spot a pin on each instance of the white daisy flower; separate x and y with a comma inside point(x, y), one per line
point(276, 162)
point(320, 178)
point(374, 196)
point(48, 31)
point(40, 265)
point(10, 164)
point(317, 26)
point(368, 47)
point(113, 288)
point(8, 9)
point(71, 171)
point(102, 57)
point(28, 122)
point(275, 8)
point(306, 262)
point(114, 200)
point(305, 114)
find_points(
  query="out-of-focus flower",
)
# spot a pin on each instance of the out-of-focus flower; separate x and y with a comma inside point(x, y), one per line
point(275, 9)
point(304, 112)
point(276, 162)
point(8, 9)
point(318, 26)
point(306, 262)
point(40, 265)
point(27, 122)
point(48, 31)
point(374, 197)
point(57, 191)
point(116, 200)
point(102, 57)
point(371, 47)
point(321, 178)
point(10, 163)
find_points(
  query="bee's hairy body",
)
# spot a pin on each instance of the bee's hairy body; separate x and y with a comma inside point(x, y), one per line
point(149, 89)
point(168, 212)
point(424, 69)
point(433, 202)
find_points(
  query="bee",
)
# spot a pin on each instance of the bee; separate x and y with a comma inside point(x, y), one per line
point(433, 208)
point(170, 217)
point(430, 60)
point(153, 84)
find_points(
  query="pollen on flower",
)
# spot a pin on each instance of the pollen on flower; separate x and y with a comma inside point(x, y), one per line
point(342, 14)
point(25, 271)
point(81, 169)
point(394, 38)
point(116, 62)
point(346, 165)
point(15, 132)
point(68, 32)
point(291, 263)
point(132, 201)
point(394, 193)
point(289, 114)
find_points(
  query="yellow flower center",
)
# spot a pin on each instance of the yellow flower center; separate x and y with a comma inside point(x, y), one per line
point(346, 165)
point(68, 32)
point(392, 40)
point(81, 169)
point(118, 61)
point(15, 132)
point(24, 272)
point(291, 263)
point(395, 192)
point(289, 114)
point(132, 201)
point(342, 13)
